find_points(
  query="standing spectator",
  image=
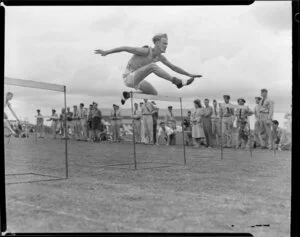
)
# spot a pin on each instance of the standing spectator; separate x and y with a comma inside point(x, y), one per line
point(143, 137)
point(137, 116)
point(257, 129)
point(39, 124)
point(242, 112)
point(69, 115)
point(166, 133)
point(54, 124)
point(83, 122)
point(90, 130)
point(279, 137)
point(116, 123)
point(96, 122)
point(120, 123)
point(154, 118)
point(288, 127)
point(266, 108)
point(147, 109)
point(197, 129)
point(171, 122)
point(76, 122)
point(63, 129)
point(188, 118)
point(86, 112)
point(207, 126)
point(216, 126)
point(226, 114)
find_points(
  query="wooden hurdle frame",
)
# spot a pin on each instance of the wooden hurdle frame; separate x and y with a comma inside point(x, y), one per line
point(50, 87)
point(139, 95)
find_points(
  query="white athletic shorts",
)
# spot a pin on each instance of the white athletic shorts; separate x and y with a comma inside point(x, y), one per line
point(128, 78)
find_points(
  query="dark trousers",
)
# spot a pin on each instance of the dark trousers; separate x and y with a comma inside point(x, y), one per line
point(173, 139)
point(207, 127)
point(154, 132)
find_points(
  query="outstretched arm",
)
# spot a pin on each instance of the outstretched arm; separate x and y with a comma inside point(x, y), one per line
point(165, 61)
point(134, 50)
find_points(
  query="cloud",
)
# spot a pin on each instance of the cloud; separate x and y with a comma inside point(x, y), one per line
point(237, 49)
point(275, 16)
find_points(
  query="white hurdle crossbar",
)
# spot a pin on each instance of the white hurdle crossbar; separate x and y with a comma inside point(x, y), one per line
point(139, 95)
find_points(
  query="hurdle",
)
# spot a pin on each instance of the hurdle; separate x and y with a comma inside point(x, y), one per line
point(43, 86)
point(139, 95)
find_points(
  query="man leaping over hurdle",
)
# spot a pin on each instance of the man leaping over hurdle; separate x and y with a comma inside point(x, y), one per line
point(142, 63)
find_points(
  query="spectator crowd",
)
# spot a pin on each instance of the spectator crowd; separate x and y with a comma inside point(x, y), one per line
point(208, 125)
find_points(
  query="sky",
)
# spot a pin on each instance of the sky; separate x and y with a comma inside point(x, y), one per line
point(238, 50)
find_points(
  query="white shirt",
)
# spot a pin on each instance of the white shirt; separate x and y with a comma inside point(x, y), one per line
point(167, 132)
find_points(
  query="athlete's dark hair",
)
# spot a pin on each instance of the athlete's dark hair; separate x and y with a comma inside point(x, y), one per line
point(158, 37)
point(275, 122)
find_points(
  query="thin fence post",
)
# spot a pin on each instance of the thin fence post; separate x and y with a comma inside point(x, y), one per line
point(184, 151)
point(133, 130)
point(221, 127)
point(66, 135)
point(250, 140)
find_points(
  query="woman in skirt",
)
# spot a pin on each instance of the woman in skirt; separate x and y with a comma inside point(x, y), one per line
point(197, 128)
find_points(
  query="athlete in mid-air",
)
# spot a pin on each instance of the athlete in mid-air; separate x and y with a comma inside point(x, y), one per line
point(142, 63)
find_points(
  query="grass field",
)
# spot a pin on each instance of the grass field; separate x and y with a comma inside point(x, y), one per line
point(105, 194)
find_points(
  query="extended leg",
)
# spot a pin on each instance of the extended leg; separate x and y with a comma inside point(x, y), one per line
point(135, 78)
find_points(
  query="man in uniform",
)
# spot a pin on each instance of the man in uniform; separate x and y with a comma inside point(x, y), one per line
point(266, 108)
point(143, 63)
point(39, 124)
point(89, 122)
point(76, 123)
point(147, 110)
point(143, 138)
point(116, 122)
point(242, 112)
point(69, 115)
point(83, 122)
point(206, 121)
point(257, 135)
point(96, 122)
point(54, 119)
point(154, 118)
point(170, 122)
point(226, 114)
point(62, 125)
point(216, 126)
point(137, 116)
